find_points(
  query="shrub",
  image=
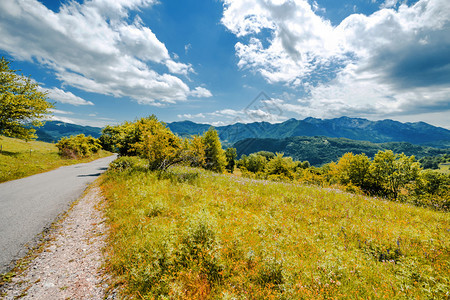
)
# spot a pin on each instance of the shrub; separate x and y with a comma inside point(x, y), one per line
point(78, 146)
point(124, 163)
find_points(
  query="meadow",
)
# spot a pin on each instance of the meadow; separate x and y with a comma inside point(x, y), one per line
point(187, 233)
point(19, 158)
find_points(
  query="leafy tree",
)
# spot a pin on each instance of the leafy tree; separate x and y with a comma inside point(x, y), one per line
point(354, 170)
point(267, 154)
point(111, 137)
point(78, 146)
point(195, 151)
point(215, 159)
point(281, 166)
point(231, 155)
point(392, 172)
point(21, 104)
point(155, 142)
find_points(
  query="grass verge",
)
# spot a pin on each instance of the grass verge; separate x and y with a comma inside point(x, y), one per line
point(192, 234)
point(20, 159)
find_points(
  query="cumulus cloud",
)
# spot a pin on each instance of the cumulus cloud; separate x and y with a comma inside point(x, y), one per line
point(61, 96)
point(394, 61)
point(93, 47)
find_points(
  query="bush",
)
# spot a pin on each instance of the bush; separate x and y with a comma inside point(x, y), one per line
point(125, 163)
point(78, 146)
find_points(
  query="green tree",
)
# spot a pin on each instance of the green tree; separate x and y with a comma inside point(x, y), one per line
point(194, 153)
point(156, 143)
point(215, 159)
point(393, 172)
point(354, 170)
point(282, 167)
point(231, 155)
point(78, 146)
point(21, 104)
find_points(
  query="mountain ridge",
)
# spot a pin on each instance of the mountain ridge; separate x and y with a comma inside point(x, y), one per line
point(359, 129)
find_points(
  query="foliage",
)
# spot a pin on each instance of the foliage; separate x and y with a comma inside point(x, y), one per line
point(281, 166)
point(215, 159)
point(231, 155)
point(195, 155)
point(22, 103)
point(215, 236)
point(78, 146)
point(20, 159)
point(322, 150)
point(392, 172)
point(254, 163)
point(156, 143)
point(353, 170)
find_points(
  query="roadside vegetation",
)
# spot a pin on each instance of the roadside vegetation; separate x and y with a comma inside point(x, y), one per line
point(279, 229)
point(187, 233)
point(19, 158)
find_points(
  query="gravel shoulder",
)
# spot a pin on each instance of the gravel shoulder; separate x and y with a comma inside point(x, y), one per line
point(69, 264)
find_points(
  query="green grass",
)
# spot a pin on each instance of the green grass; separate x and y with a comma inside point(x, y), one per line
point(444, 168)
point(192, 234)
point(19, 159)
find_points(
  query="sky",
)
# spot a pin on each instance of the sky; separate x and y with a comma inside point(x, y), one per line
point(219, 62)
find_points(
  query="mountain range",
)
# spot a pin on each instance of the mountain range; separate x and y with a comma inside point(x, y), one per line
point(52, 131)
point(419, 133)
point(358, 129)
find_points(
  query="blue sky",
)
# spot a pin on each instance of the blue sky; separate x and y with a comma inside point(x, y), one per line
point(225, 61)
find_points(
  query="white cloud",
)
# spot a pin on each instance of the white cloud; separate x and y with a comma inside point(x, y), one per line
point(61, 96)
point(200, 92)
point(91, 46)
point(394, 61)
point(61, 112)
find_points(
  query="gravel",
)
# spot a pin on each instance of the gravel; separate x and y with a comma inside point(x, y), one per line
point(70, 264)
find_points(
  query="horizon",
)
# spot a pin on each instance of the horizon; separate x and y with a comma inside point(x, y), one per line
point(222, 62)
point(253, 122)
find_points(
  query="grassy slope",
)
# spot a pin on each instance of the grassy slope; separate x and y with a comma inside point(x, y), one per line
point(199, 235)
point(16, 160)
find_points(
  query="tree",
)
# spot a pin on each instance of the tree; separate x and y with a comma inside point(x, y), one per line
point(231, 155)
point(156, 143)
point(21, 104)
point(354, 170)
point(78, 146)
point(282, 167)
point(215, 159)
point(194, 153)
point(393, 172)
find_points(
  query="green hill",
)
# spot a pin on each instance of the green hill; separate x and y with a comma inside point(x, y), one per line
point(321, 150)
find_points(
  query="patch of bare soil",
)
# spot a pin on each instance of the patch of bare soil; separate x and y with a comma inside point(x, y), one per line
point(70, 264)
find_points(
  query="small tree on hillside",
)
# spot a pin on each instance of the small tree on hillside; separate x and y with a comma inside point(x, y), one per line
point(215, 159)
point(392, 172)
point(231, 155)
point(21, 104)
point(157, 143)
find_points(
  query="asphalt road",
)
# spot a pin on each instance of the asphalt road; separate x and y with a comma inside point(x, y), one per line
point(30, 205)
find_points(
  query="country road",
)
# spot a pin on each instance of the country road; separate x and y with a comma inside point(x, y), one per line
point(31, 204)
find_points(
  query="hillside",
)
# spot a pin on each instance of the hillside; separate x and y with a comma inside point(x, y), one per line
point(192, 234)
point(351, 128)
point(20, 159)
point(52, 131)
point(321, 150)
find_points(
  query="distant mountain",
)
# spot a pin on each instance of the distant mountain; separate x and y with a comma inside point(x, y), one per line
point(321, 150)
point(352, 128)
point(52, 131)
